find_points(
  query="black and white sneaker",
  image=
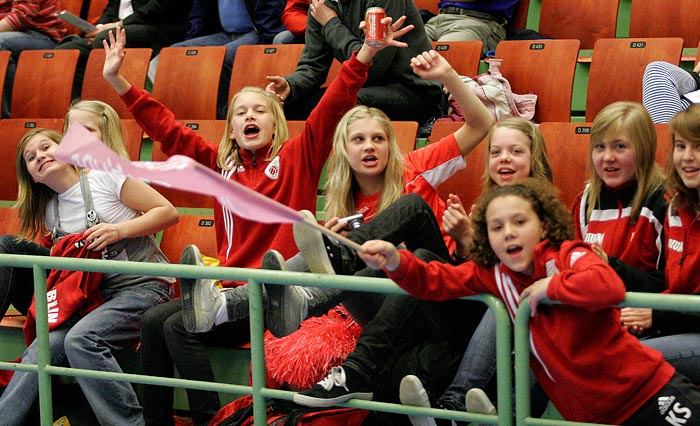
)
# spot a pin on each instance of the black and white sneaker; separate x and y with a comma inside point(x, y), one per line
point(335, 389)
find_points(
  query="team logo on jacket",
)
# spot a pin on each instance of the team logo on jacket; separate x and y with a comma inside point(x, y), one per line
point(675, 413)
point(273, 169)
point(675, 245)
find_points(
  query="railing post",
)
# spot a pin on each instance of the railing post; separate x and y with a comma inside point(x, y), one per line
point(522, 363)
point(257, 351)
point(42, 347)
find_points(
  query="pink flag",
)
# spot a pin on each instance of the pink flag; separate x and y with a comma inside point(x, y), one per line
point(83, 149)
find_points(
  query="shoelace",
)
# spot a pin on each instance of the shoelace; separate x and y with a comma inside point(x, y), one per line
point(336, 377)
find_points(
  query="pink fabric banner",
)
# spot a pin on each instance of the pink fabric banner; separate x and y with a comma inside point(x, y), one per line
point(81, 148)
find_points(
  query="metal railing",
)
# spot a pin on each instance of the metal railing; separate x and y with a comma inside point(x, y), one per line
point(254, 277)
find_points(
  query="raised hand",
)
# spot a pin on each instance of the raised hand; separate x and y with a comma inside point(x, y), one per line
point(430, 65)
point(114, 58)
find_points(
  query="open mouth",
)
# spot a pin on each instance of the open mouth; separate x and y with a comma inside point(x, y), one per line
point(41, 167)
point(611, 169)
point(251, 130)
point(506, 172)
point(369, 160)
point(513, 250)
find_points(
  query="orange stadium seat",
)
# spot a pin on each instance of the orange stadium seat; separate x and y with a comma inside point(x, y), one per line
point(545, 68)
point(9, 221)
point(4, 61)
point(464, 56)
point(43, 83)
point(429, 5)
point(253, 63)
point(135, 68)
point(586, 21)
point(133, 138)
point(617, 67)
point(187, 80)
point(660, 18)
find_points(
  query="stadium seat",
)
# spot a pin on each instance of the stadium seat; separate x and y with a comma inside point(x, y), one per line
point(464, 56)
point(567, 150)
point(211, 131)
point(617, 67)
point(664, 143)
point(95, 10)
point(4, 61)
point(191, 229)
point(660, 18)
point(545, 68)
point(429, 5)
point(43, 83)
point(134, 69)
point(253, 63)
point(465, 183)
point(9, 221)
point(133, 138)
point(586, 21)
point(11, 131)
point(187, 80)
point(406, 134)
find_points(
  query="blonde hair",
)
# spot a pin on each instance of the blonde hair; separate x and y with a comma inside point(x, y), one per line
point(32, 197)
point(632, 119)
point(341, 184)
point(228, 147)
point(687, 125)
point(539, 164)
point(110, 125)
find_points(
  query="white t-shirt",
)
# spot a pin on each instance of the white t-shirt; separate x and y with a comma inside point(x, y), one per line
point(105, 189)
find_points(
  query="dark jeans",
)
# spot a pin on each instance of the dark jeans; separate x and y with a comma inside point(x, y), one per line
point(397, 101)
point(138, 36)
point(409, 220)
point(164, 343)
point(17, 284)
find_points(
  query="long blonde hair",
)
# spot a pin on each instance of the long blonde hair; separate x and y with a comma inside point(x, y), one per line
point(341, 184)
point(228, 147)
point(687, 125)
point(110, 125)
point(539, 164)
point(632, 119)
point(32, 197)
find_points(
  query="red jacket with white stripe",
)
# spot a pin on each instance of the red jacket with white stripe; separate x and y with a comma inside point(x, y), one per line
point(590, 367)
point(291, 178)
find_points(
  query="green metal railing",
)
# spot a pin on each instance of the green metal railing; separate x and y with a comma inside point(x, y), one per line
point(522, 348)
point(254, 277)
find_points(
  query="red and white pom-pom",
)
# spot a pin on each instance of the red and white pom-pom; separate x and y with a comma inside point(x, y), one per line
point(303, 358)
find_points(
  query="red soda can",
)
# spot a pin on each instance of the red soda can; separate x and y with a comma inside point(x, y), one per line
point(375, 31)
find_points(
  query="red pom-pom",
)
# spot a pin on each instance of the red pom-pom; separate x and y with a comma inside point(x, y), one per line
point(303, 358)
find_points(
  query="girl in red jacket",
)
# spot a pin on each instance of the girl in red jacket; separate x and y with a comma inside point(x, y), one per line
point(253, 151)
point(522, 249)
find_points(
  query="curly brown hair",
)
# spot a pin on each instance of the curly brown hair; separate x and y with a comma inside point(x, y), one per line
point(542, 195)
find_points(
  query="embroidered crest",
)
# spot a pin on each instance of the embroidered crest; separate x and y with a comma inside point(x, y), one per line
point(273, 169)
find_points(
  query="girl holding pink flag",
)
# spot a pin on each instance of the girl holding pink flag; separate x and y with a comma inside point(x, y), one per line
point(254, 151)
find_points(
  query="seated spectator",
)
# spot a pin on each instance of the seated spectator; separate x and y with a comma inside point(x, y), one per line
point(333, 33)
point(664, 89)
point(464, 20)
point(26, 25)
point(240, 22)
point(294, 20)
point(150, 23)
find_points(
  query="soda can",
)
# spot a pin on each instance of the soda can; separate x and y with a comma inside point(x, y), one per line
point(375, 31)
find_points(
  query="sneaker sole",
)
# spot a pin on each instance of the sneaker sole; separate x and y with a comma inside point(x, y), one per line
point(190, 304)
point(276, 314)
point(311, 245)
point(412, 392)
point(310, 401)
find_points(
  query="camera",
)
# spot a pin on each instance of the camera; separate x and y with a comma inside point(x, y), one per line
point(354, 221)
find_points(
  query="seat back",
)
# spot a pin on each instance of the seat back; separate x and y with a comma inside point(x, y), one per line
point(664, 144)
point(11, 131)
point(9, 221)
point(187, 80)
point(211, 131)
point(4, 61)
point(519, 21)
point(406, 134)
point(659, 18)
point(43, 83)
point(586, 21)
point(545, 68)
point(134, 69)
point(190, 229)
point(133, 138)
point(253, 63)
point(429, 5)
point(567, 150)
point(464, 56)
point(465, 183)
point(95, 10)
point(617, 67)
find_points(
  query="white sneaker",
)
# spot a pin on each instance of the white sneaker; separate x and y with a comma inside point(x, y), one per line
point(412, 392)
point(201, 298)
point(287, 306)
point(311, 245)
point(478, 402)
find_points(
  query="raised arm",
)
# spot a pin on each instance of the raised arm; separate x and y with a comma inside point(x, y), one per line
point(114, 58)
point(477, 119)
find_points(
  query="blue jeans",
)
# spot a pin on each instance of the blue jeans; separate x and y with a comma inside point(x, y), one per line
point(16, 42)
point(17, 284)
point(286, 37)
point(477, 366)
point(681, 351)
point(87, 343)
point(231, 42)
